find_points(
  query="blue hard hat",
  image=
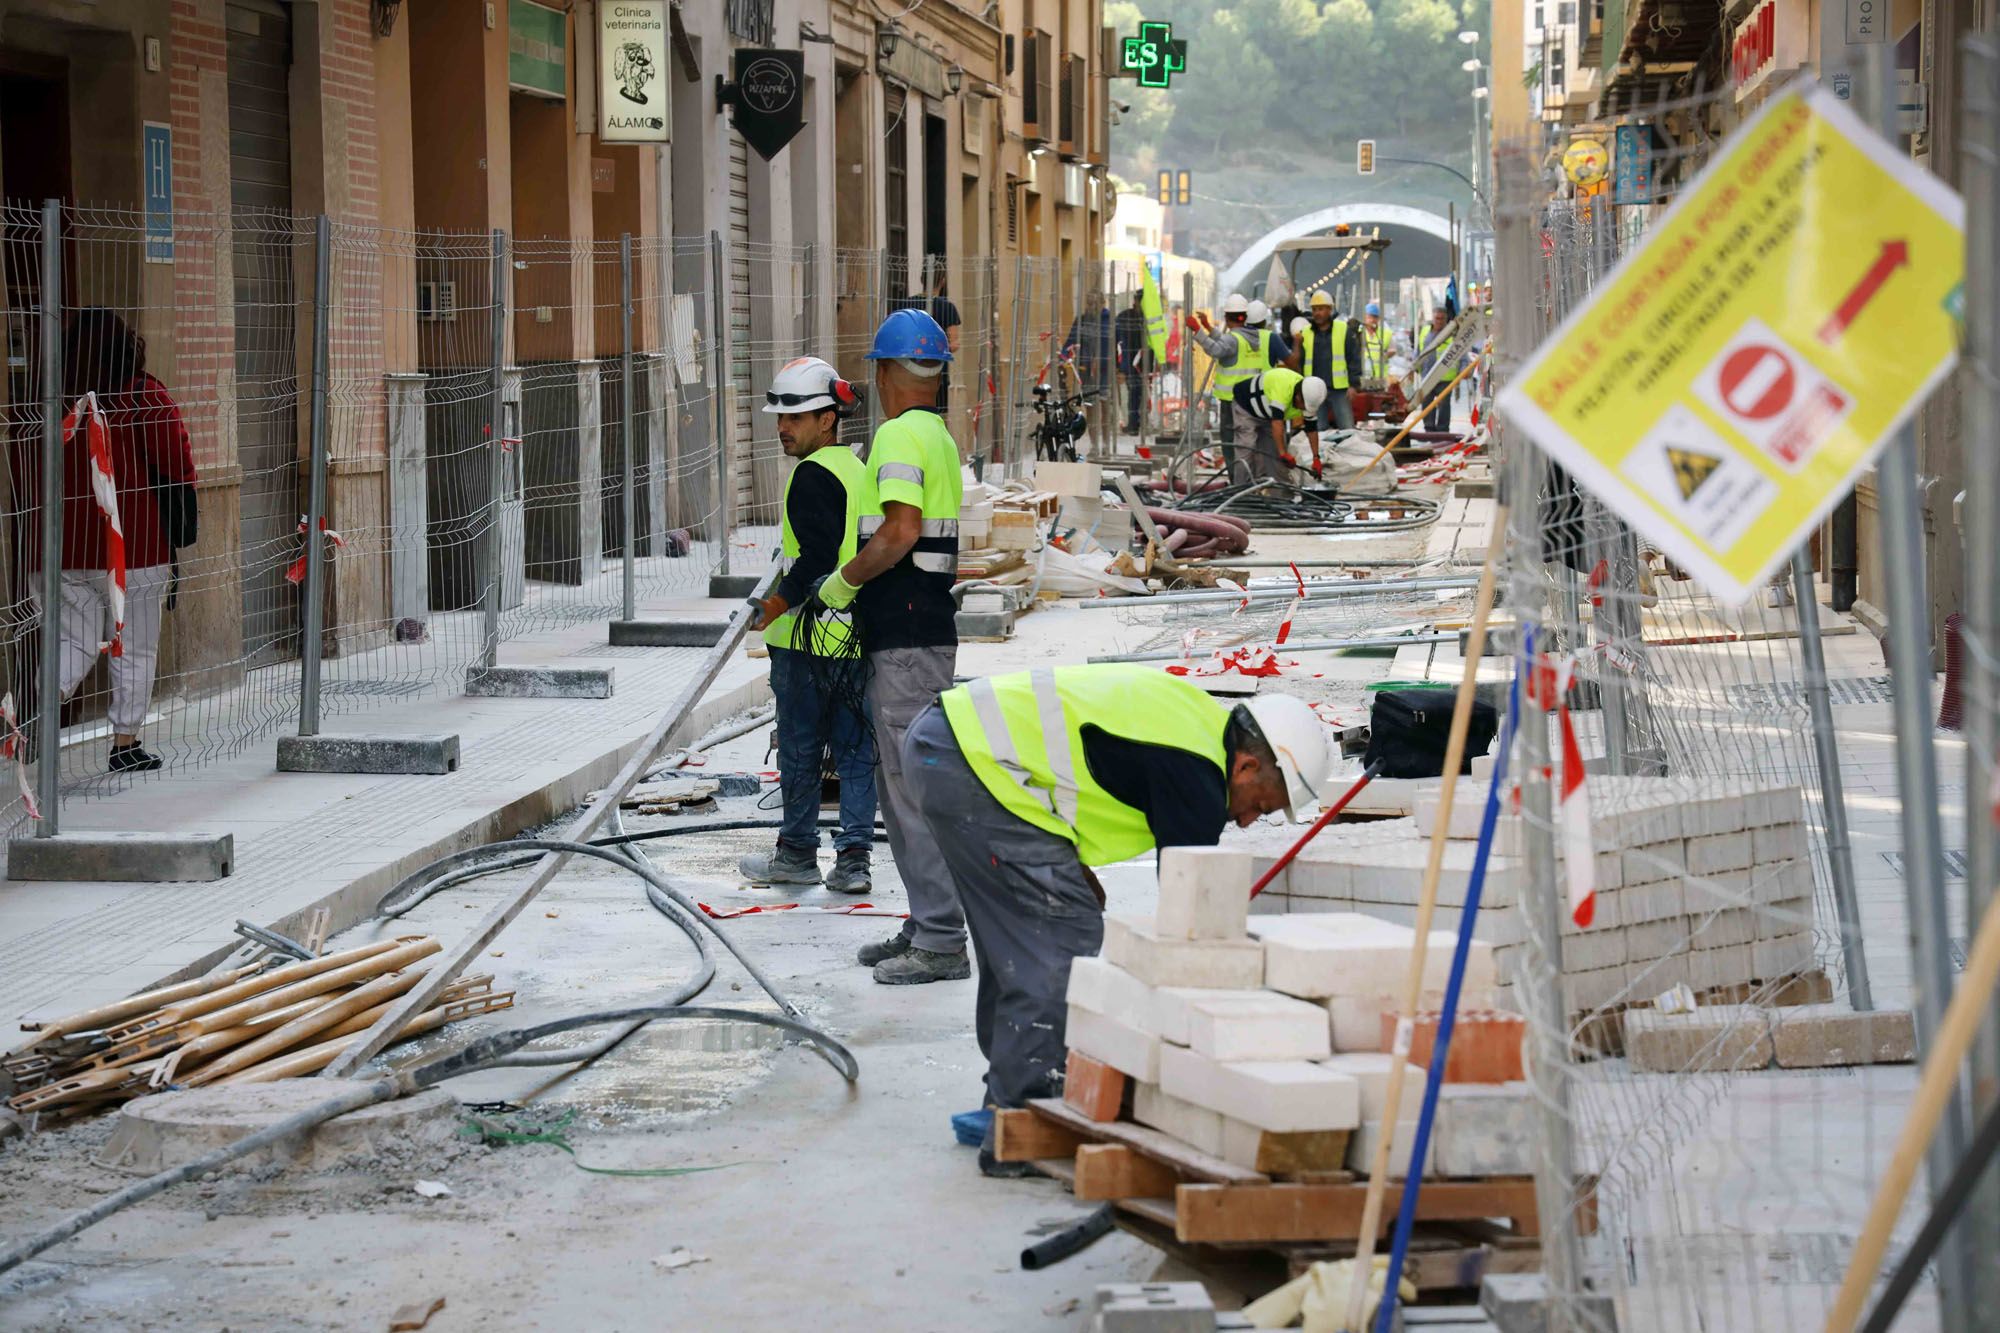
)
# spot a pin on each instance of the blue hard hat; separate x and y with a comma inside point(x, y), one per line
point(912, 334)
point(1374, 308)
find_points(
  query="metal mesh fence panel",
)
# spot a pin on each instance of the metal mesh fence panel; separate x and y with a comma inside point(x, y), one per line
point(1693, 1175)
point(193, 391)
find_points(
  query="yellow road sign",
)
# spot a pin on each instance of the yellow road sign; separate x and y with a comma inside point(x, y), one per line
point(1732, 377)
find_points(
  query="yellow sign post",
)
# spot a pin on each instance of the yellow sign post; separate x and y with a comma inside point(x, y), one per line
point(1732, 377)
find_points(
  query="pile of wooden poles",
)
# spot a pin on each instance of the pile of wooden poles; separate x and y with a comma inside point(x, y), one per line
point(249, 1024)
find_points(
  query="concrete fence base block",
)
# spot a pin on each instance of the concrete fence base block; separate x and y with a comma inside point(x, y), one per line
point(173, 1128)
point(985, 624)
point(505, 682)
point(1519, 1303)
point(733, 586)
point(667, 633)
point(124, 858)
point(368, 754)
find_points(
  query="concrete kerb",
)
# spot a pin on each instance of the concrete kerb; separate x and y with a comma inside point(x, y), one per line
point(354, 901)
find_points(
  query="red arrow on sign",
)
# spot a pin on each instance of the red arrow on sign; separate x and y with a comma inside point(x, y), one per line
point(1895, 254)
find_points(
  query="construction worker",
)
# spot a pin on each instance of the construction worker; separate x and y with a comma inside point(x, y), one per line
point(1239, 351)
point(1269, 406)
point(1435, 348)
point(817, 681)
point(1378, 344)
point(1330, 351)
point(1031, 779)
point(900, 586)
point(1280, 351)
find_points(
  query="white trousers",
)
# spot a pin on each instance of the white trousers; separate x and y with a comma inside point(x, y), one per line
point(86, 623)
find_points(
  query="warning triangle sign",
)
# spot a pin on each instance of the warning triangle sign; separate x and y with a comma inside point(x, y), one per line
point(1691, 469)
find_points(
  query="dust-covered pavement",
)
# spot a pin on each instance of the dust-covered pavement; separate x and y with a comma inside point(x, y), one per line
point(827, 1207)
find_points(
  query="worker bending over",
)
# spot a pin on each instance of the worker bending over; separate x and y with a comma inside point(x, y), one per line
point(900, 586)
point(1241, 348)
point(817, 680)
point(1269, 407)
point(1028, 780)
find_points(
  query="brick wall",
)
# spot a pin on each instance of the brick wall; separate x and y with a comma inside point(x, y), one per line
point(203, 333)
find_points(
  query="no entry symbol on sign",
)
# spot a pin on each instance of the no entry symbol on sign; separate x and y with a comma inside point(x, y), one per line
point(1757, 382)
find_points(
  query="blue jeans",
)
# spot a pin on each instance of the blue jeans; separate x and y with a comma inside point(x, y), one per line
point(821, 705)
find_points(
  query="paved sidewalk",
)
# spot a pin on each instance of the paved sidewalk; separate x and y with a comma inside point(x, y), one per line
point(305, 840)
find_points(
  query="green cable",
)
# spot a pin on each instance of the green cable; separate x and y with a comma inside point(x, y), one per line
point(489, 1132)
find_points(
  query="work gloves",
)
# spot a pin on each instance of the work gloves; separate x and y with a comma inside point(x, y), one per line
point(768, 611)
point(835, 593)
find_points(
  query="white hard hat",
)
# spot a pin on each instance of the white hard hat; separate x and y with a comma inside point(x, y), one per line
point(1300, 324)
point(807, 384)
point(1258, 312)
point(1312, 392)
point(1235, 304)
point(1296, 735)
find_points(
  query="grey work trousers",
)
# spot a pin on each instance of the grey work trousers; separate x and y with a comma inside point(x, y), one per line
point(903, 682)
point(1254, 447)
point(1029, 906)
point(1337, 412)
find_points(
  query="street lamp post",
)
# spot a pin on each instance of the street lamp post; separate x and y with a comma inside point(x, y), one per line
point(1475, 66)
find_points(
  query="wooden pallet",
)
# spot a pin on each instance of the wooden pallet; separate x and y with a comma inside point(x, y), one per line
point(1208, 1211)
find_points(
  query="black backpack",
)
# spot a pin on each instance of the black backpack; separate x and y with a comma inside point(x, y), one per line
point(1409, 730)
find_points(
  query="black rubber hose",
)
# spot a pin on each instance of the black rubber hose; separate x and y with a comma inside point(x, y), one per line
point(483, 1051)
point(1096, 1225)
point(471, 1058)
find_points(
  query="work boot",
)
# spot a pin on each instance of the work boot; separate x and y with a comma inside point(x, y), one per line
point(914, 967)
point(850, 872)
point(881, 952)
point(133, 758)
point(999, 1170)
point(786, 865)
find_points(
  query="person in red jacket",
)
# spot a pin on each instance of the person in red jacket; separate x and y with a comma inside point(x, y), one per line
point(152, 462)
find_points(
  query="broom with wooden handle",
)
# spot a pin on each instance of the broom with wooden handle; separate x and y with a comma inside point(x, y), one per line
point(1413, 990)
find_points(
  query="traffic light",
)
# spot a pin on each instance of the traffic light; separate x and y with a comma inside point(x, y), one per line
point(1364, 156)
point(1166, 188)
point(1184, 189)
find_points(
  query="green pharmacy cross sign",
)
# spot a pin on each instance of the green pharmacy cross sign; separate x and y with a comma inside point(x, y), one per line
point(1155, 56)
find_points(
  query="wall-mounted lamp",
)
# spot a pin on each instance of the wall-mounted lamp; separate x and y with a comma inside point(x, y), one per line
point(384, 14)
point(886, 38)
point(954, 79)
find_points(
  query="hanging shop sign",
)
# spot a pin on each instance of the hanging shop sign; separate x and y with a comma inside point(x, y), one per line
point(1632, 165)
point(537, 49)
point(1770, 40)
point(632, 93)
point(769, 98)
point(1154, 56)
point(1585, 160)
point(1732, 377)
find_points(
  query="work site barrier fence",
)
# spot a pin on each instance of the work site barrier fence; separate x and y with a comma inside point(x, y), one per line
point(498, 437)
point(1710, 1185)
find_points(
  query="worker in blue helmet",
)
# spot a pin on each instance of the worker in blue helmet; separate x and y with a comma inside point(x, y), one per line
point(1378, 344)
point(899, 584)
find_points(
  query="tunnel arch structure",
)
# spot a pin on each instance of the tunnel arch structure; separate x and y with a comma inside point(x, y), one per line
point(1251, 264)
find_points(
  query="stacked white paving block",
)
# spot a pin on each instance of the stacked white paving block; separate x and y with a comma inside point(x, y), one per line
point(1707, 884)
point(1177, 1001)
point(1357, 965)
